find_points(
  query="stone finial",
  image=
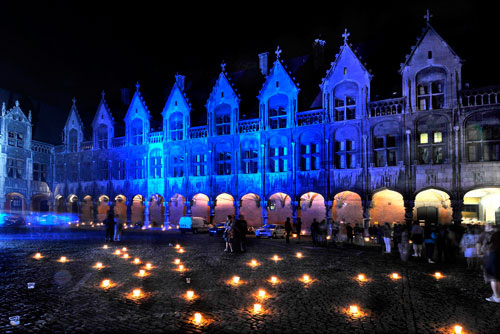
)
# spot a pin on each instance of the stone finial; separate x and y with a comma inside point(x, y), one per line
point(74, 101)
point(223, 66)
point(103, 94)
point(345, 35)
point(428, 16)
point(29, 116)
point(137, 86)
point(278, 52)
point(17, 103)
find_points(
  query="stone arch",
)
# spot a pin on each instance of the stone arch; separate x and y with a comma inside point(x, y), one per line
point(102, 208)
point(72, 204)
point(60, 204)
point(251, 210)
point(433, 205)
point(312, 206)
point(120, 209)
point(347, 207)
point(15, 202)
point(156, 210)
point(137, 210)
point(387, 205)
point(279, 208)
point(224, 207)
point(200, 206)
point(40, 203)
point(87, 208)
point(481, 205)
point(176, 209)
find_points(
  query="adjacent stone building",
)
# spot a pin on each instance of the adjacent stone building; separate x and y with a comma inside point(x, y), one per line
point(432, 154)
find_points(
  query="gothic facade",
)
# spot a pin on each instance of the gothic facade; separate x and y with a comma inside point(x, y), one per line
point(431, 154)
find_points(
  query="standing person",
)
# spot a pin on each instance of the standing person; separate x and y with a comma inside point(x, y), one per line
point(417, 237)
point(118, 227)
point(228, 234)
point(242, 229)
point(358, 234)
point(380, 237)
point(110, 225)
point(468, 246)
point(329, 233)
point(396, 235)
point(349, 233)
point(441, 242)
point(387, 237)
point(429, 240)
point(404, 244)
point(314, 231)
point(492, 267)
point(288, 229)
point(336, 230)
point(298, 226)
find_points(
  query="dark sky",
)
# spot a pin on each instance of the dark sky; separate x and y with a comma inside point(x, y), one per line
point(55, 50)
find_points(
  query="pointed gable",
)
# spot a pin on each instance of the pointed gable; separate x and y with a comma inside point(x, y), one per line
point(137, 123)
point(103, 114)
point(137, 107)
point(176, 113)
point(278, 80)
point(223, 92)
point(73, 129)
point(74, 120)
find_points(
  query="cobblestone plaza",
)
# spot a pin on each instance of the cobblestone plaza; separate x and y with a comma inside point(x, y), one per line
point(69, 297)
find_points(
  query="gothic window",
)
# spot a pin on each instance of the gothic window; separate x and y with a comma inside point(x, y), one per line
point(384, 148)
point(119, 169)
point(249, 161)
point(39, 172)
point(344, 101)
point(345, 154)
point(430, 89)
point(15, 168)
point(223, 120)
point(483, 138)
point(223, 160)
point(278, 154)
point(12, 138)
point(155, 164)
point(176, 126)
point(136, 134)
point(73, 140)
point(199, 165)
point(102, 169)
point(309, 157)
point(278, 109)
point(102, 136)
point(137, 169)
point(178, 166)
point(431, 147)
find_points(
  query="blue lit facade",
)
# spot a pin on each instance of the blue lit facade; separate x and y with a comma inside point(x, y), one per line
point(346, 158)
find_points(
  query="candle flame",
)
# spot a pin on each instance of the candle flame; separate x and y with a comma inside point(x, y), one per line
point(197, 318)
point(353, 309)
point(105, 283)
point(148, 265)
point(361, 277)
point(274, 279)
point(299, 254)
point(458, 329)
point(190, 294)
point(257, 307)
point(136, 293)
point(262, 293)
point(236, 279)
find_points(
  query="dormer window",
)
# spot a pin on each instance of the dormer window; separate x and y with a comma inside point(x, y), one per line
point(73, 140)
point(102, 136)
point(278, 106)
point(430, 89)
point(345, 101)
point(136, 132)
point(176, 126)
point(223, 120)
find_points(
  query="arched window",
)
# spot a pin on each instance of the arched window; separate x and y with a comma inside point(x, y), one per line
point(278, 155)
point(249, 157)
point(176, 126)
point(346, 148)
point(102, 136)
point(431, 140)
point(223, 159)
point(430, 88)
point(344, 100)
point(73, 140)
point(278, 108)
point(223, 120)
point(483, 138)
point(155, 164)
point(136, 135)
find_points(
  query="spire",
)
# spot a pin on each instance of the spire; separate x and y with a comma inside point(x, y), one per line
point(278, 53)
point(345, 35)
point(103, 94)
point(17, 103)
point(428, 17)
point(137, 86)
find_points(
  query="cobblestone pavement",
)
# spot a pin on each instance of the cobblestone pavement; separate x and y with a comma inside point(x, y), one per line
point(68, 298)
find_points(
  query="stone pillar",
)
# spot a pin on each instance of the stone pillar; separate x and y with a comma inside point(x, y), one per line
point(166, 221)
point(128, 217)
point(95, 205)
point(263, 206)
point(328, 211)
point(457, 205)
point(236, 205)
point(366, 216)
point(211, 204)
point(409, 205)
point(146, 213)
point(187, 204)
point(295, 211)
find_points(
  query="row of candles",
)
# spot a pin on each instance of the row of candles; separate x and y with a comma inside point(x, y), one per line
point(261, 293)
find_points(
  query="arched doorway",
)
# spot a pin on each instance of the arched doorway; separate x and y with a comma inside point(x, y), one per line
point(87, 209)
point(15, 202)
point(72, 204)
point(347, 208)
point(279, 208)
point(102, 208)
point(60, 204)
point(387, 206)
point(482, 205)
point(176, 209)
point(40, 203)
point(250, 210)
point(312, 206)
point(200, 207)
point(156, 211)
point(137, 211)
point(433, 206)
point(120, 209)
point(223, 208)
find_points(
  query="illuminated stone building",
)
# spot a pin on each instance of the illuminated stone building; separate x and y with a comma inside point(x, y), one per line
point(432, 154)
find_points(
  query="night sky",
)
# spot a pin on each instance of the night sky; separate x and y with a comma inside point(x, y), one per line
point(52, 51)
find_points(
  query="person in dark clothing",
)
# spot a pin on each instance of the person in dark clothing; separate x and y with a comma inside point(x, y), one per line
point(241, 231)
point(314, 231)
point(349, 232)
point(441, 242)
point(396, 235)
point(298, 226)
point(492, 267)
point(288, 229)
point(110, 226)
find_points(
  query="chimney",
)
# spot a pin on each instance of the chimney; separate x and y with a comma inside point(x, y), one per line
point(180, 81)
point(264, 62)
point(125, 93)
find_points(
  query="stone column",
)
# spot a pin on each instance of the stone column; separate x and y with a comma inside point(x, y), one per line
point(211, 204)
point(187, 204)
point(146, 213)
point(263, 205)
point(236, 205)
point(166, 220)
point(409, 205)
point(128, 217)
point(366, 216)
point(328, 211)
point(457, 205)
point(295, 211)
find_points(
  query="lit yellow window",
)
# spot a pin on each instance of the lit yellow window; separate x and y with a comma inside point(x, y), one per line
point(438, 137)
point(424, 138)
